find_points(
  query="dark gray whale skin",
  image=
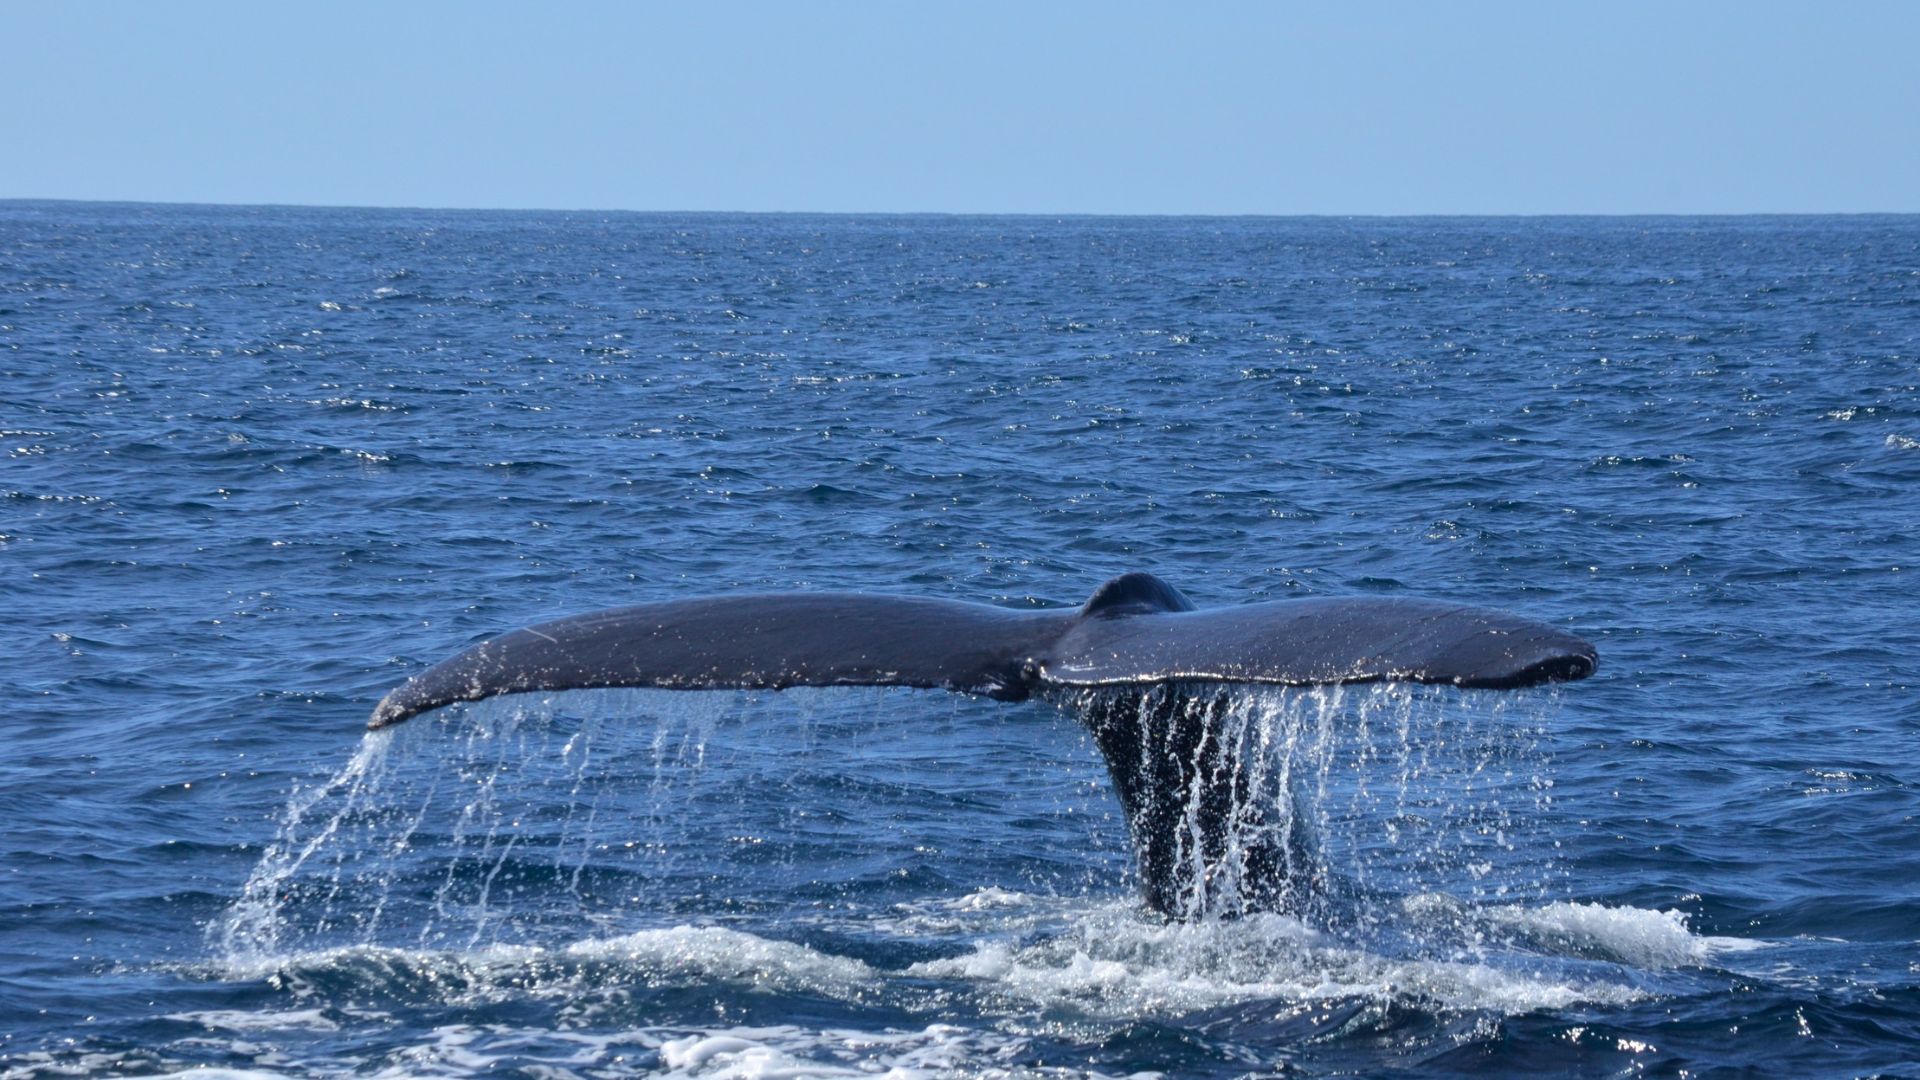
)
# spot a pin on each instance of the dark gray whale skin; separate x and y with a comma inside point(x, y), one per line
point(1135, 630)
point(1137, 636)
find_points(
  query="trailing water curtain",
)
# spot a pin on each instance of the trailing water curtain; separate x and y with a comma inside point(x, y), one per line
point(1161, 664)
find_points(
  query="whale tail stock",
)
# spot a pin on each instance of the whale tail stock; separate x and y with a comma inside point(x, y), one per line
point(1137, 636)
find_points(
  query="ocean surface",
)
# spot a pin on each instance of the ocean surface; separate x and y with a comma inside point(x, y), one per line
point(258, 465)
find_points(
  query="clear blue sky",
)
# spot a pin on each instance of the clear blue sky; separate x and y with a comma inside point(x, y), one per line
point(1274, 108)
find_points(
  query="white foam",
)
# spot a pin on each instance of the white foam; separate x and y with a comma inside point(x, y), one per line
point(790, 1052)
point(719, 953)
point(261, 1020)
point(732, 1055)
point(989, 898)
point(784, 1052)
point(1105, 960)
point(1635, 936)
point(691, 954)
point(1114, 964)
point(212, 1073)
point(984, 912)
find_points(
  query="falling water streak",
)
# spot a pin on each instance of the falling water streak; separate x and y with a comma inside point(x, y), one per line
point(679, 752)
point(1385, 788)
point(581, 741)
point(399, 846)
point(251, 930)
point(1316, 787)
point(479, 805)
point(528, 740)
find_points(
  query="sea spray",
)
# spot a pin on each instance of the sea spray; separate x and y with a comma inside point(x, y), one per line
point(1243, 799)
point(594, 859)
point(534, 820)
point(251, 930)
point(474, 827)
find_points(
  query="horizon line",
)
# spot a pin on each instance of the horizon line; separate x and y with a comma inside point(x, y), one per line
point(403, 207)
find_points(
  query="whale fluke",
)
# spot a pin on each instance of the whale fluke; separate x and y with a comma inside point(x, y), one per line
point(1137, 640)
point(1135, 630)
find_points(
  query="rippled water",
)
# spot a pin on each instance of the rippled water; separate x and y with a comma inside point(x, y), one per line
point(262, 464)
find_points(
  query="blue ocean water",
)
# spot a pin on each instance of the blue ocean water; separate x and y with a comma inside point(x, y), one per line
point(261, 464)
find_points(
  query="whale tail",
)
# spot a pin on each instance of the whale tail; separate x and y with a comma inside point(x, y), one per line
point(1152, 667)
point(1135, 630)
